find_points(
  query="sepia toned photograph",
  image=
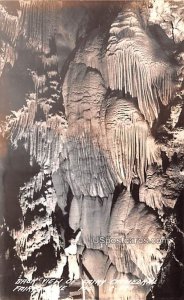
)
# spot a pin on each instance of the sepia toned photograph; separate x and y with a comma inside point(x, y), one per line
point(92, 150)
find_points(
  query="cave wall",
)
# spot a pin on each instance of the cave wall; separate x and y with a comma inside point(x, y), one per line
point(92, 138)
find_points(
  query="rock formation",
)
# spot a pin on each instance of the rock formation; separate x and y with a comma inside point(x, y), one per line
point(99, 126)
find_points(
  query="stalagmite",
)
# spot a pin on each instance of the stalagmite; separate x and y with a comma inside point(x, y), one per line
point(93, 56)
point(120, 286)
point(37, 232)
point(42, 292)
point(91, 259)
point(138, 236)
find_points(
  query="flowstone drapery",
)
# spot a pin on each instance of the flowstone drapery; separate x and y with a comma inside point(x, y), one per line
point(98, 128)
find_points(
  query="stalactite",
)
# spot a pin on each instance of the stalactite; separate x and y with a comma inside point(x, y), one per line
point(174, 115)
point(108, 141)
point(9, 24)
point(129, 140)
point(45, 105)
point(133, 65)
point(75, 213)
point(39, 22)
point(19, 122)
point(10, 30)
point(162, 189)
point(7, 55)
point(32, 187)
point(49, 61)
point(83, 211)
point(51, 73)
point(46, 141)
point(39, 81)
point(93, 175)
point(43, 139)
point(152, 198)
point(61, 187)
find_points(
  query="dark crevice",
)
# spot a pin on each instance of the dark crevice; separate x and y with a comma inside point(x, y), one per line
point(118, 190)
point(135, 192)
point(165, 161)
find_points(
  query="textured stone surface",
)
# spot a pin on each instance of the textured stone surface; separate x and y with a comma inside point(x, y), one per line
point(101, 120)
